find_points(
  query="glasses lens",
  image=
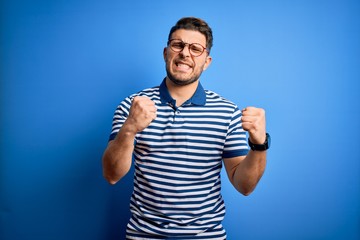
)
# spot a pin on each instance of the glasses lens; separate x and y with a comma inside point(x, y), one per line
point(196, 49)
point(177, 45)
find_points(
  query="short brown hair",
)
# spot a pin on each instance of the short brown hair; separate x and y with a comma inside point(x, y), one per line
point(196, 24)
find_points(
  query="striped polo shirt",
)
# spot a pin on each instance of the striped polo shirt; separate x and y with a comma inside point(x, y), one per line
point(178, 159)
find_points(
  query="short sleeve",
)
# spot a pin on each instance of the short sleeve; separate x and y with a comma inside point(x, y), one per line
point(235, 142)
point(120, 115)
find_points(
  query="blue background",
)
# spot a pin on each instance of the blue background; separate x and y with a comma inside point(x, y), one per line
point(65, 65)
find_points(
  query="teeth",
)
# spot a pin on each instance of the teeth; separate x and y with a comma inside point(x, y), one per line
point(183, 65)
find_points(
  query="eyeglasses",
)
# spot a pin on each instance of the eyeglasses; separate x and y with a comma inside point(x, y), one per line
point(195, 49)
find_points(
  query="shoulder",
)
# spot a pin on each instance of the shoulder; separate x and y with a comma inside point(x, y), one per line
point(152, 92)
point(214, 98)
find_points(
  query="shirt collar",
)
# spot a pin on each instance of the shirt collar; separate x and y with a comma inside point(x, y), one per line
point(199, 97)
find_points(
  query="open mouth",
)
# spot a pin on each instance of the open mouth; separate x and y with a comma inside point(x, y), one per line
point(183, 66)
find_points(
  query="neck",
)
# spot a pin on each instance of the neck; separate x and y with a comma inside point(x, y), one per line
point(181, 93)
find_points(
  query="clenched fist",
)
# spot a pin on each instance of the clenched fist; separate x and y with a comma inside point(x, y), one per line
point(253, 121)
point(142, 113)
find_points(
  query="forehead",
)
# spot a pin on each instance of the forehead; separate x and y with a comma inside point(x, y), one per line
point(189, 36)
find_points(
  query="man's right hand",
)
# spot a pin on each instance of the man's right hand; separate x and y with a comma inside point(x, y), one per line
point(142, 113)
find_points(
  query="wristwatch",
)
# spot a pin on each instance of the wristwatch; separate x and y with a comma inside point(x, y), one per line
point(261, 147)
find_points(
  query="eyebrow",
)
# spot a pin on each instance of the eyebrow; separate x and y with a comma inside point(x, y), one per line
point(187, 42)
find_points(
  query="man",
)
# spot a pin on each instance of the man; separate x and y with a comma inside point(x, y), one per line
point(179, 135)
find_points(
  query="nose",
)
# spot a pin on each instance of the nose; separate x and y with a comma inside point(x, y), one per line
point(186, 52)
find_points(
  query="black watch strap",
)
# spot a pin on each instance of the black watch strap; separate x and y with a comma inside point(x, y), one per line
point(261, 147)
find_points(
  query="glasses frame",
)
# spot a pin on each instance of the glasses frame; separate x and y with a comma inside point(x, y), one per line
point(189, 47)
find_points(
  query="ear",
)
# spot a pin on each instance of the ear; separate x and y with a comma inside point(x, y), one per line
point(207, 62)
point(165, 53)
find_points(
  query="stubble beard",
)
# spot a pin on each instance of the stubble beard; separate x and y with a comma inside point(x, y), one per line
point(181, 81)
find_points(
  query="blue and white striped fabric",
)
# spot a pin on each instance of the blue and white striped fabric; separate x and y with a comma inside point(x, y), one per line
point(178, 159)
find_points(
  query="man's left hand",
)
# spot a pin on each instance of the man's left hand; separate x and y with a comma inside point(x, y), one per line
point(253, 121)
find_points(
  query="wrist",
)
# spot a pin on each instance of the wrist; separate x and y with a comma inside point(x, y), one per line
point(126, 134)
point(260, 147)
point(129, 128)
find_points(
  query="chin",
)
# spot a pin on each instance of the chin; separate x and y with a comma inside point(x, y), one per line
point(181, 81)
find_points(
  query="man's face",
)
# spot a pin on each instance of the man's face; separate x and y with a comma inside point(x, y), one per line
point(181, 67)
